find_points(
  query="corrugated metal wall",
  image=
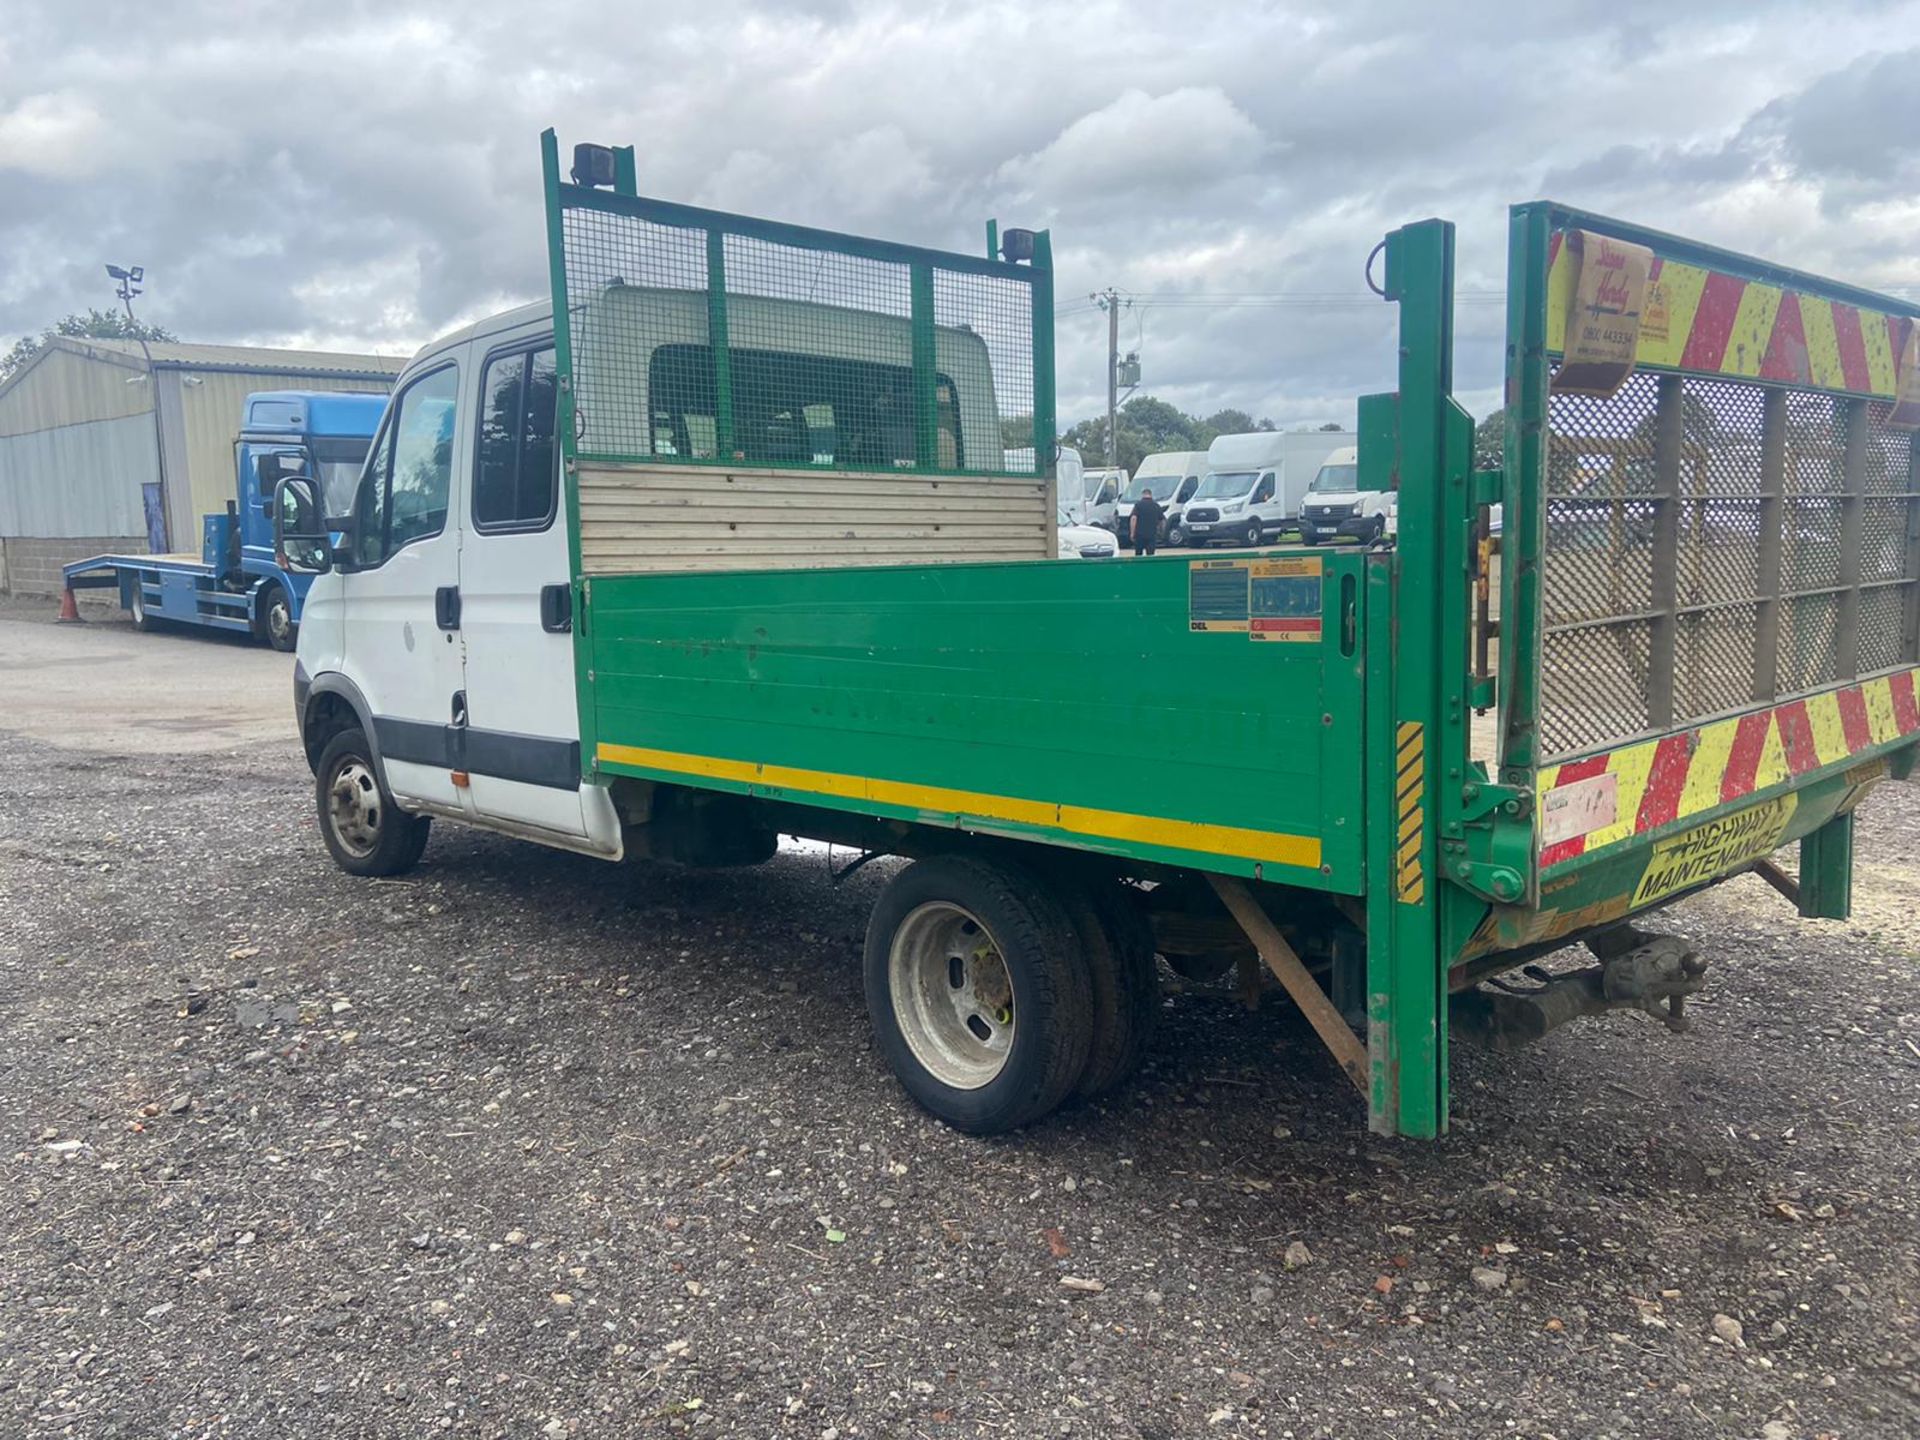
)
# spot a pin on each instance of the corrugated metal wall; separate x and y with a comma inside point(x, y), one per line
point(65, 389)
point(77, 479)
point(76, 443)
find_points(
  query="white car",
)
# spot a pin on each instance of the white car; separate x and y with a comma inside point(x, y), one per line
point(1083, 542)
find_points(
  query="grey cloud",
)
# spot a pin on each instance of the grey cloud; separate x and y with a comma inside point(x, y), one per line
point(366, 174)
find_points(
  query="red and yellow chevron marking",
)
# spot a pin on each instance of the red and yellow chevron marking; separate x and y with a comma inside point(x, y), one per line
point(1677, 776)
point(1701, 320)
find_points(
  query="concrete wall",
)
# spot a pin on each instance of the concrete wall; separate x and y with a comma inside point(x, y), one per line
point(32, 566)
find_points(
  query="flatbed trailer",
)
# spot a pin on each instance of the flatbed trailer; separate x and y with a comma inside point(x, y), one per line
point(1704, 649)
point(236, 582)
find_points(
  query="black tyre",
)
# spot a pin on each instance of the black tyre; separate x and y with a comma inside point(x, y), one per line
point(273, 618)
point(365, 832)
point(1118, 943)
point(1176, 537)
point(978, 992)
point(1252, 534)
point(1307, 537)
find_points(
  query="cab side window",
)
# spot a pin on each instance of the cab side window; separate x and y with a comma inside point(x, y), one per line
point(403, 496)
point(1264, 490)
point(515, 482)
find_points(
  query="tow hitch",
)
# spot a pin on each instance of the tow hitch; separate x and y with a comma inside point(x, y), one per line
point(1637, 971)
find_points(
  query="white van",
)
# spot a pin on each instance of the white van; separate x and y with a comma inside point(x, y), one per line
point(1103, 489)
point(1337, 508)
point(1255, 484)
point(1173, 476)
point(435, 671)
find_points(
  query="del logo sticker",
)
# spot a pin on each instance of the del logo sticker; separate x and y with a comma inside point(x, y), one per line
point(1709, 850)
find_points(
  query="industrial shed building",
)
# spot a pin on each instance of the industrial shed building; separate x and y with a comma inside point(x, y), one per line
point(80, 453)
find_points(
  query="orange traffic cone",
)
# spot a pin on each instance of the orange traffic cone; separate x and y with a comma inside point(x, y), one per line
point(69, 611)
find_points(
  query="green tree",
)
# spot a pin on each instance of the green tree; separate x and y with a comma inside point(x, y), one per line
point(1490, 441)
point(1234, 422)
point(94, 325)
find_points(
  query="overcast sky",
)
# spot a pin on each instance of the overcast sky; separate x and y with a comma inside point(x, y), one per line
point(364, 176)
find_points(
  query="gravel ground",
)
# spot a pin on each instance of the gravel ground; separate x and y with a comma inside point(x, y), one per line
point(527, 1145)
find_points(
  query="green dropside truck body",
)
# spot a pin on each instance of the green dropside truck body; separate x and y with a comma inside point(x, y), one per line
point(1696, 645)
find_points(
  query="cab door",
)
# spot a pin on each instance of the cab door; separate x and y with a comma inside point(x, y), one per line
point(522, 741)
point(400, 594)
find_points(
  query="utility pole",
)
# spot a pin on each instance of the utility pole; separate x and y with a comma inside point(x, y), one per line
point(1109, 301)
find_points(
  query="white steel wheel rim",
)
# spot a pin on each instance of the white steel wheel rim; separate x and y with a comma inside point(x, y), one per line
point(952, 994)
point(279, 618)
point(354, 807)
point(139, 605)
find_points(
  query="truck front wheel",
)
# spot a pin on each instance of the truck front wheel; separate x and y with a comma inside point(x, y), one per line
point(978, 991)
point(1253, 534)
point(365, 832)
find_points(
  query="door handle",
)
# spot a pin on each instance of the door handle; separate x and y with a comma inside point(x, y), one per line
point(446, 607)
point(556, 609)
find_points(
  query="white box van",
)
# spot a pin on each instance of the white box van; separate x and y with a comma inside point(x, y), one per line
point(1173, 476)
point(1255, 484)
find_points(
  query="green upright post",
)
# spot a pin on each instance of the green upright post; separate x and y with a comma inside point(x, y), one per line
point(1043, 398)
point(718, 345)
point(626, 174)
point(1826, 870)
point(1417, 700)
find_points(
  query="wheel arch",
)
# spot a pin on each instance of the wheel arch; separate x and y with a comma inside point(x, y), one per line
point(334, 703)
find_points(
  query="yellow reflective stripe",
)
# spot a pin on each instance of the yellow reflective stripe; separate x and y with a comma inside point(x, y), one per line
point(1752, 329)
point(1823, 344)
point(1680, 287)
point(1707, 767)
point(1829, 732)
point(1773, 767)
point(1881, 720)
point(1229, 840)
point(1630, 768)
point(1880, 371)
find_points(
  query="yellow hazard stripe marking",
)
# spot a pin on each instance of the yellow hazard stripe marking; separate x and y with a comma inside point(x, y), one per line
point(1705, 781)
point(1410, 788)
point(1267, 846)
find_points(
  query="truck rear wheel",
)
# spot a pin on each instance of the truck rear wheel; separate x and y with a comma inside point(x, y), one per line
point(1118, 944)
point(978, 991)
point(137, 603)
point(273, 618)
point(365, 832)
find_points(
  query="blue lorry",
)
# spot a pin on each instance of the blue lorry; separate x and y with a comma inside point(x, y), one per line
point(236, 582)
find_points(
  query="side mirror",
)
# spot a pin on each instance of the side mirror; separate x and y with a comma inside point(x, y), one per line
point(300, 539)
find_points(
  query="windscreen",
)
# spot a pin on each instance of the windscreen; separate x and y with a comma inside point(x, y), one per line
point(1333, 479)
point(1225, 485)
point(337, 462)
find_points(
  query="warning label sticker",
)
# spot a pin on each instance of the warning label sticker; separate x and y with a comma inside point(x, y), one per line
point(1217, 595)
point(1286, 599)
point(1714, 848)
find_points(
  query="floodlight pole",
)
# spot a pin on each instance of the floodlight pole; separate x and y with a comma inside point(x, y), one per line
point(126, 276)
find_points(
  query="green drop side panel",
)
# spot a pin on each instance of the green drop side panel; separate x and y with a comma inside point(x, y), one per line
point(1072, 702)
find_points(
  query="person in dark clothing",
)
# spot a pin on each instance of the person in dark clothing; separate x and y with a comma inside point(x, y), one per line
point(1147, 516)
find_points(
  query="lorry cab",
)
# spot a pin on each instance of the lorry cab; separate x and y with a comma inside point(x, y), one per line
point(1338, 508)
point(1172, 476)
